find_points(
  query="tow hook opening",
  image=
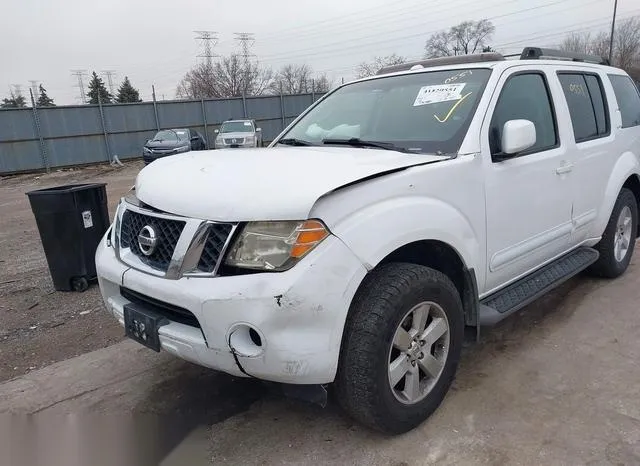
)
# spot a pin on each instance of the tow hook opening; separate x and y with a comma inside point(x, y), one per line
point(246, 341)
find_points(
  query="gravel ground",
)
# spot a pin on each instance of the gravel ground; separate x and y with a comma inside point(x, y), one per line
point(38, 325)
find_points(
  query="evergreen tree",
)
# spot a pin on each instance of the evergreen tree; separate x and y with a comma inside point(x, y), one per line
point(127, 93)
point(97, 88)
point(15, 100)
point(43, 99)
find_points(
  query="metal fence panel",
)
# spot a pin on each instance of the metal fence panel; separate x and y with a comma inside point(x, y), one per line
point(179, 114)
point(74, 135)
point(75, 151)
point(129, 117)
point(59, 122)
point(20, 156)
point(16, 125)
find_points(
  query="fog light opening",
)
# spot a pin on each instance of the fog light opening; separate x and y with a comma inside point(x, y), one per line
point(255, 337)
point(245, 340)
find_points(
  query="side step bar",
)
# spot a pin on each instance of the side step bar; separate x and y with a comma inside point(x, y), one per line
point(514, 297)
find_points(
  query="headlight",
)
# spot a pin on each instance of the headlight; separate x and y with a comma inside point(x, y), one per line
point(182, 149)
point(249, 139)
point(146, 150)
point(275, 245)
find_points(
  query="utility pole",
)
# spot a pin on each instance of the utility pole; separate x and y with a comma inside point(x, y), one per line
point(34, 86)
point(246, 40)
point(208, 40)
point(109, 75)
point(16, 90)
point(613, 28)
point(80, 75)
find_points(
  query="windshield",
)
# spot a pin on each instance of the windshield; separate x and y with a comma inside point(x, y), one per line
point(422, 112)
point(171, 135)
point(237, 127)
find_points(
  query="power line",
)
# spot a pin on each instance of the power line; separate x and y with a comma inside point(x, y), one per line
point(80, 75)
point(109, 75)
point(208, 40)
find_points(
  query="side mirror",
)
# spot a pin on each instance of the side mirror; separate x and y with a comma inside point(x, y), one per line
point(258, 130)
point(216, 131)
point(518, 135)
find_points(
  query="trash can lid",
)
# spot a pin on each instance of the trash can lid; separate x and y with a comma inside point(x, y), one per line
point(65, 189)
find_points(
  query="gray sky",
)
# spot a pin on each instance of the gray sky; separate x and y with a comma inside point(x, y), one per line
point(153, 42)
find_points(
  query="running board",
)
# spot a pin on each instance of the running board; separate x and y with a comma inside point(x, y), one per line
point(514, 297)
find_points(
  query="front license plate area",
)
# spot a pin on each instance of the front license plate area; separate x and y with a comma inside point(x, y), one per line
point(141, 325)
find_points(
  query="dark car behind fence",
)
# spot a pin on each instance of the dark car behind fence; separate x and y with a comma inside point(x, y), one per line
point(53, 137)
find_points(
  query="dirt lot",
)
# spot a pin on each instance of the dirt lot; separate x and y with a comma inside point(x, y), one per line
point(38, 325)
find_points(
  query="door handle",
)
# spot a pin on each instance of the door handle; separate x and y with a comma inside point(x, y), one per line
point(564, 168)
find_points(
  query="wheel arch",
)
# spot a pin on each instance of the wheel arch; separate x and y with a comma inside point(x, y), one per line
point(633, 184)
point(625, 174)
point(442, 257)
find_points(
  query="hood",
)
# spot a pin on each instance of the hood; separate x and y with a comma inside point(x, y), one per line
point(168, 144)
point(236, 135)
point(279, 183)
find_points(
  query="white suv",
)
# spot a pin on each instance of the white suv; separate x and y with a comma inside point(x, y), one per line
point(389, 216)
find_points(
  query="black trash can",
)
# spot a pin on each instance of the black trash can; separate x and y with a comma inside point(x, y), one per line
point(71, 220)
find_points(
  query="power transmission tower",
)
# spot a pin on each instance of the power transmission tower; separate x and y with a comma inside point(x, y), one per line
point(80, 75)
point(34, 86)
point(109, 75)
point(16, 89)
point(208, 40)
point(246, 40)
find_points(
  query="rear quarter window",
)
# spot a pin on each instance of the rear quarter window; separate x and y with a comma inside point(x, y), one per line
point(628, 98)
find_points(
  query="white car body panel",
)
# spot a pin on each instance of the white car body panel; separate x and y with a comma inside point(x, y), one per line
point(503, 219)
point(282, 184)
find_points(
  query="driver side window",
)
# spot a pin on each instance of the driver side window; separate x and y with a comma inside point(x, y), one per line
point(525, 97)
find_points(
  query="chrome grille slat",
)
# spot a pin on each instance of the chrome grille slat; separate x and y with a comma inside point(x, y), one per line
point(213, 247)
point(185, 247)
point(169, 232)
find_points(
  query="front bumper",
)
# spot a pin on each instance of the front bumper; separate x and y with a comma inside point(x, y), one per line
point(299, 314)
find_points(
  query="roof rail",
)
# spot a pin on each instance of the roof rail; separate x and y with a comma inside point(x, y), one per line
point(441, 61)
point(536, 53)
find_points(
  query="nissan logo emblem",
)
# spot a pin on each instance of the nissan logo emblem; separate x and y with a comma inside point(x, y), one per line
point(147, 240)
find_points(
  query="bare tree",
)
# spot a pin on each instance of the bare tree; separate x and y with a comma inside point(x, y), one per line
point(626, 43)
point(577, 42)
point(293, 79)
point(299, 79)
point(585, 43)
point(369, 69)
point(322, 84)
point(229, 77)
point(463, 39)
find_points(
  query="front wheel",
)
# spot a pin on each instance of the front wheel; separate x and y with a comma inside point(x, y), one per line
point(619, 238)
point(401, 347)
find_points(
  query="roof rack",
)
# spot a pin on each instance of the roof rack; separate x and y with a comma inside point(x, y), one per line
point(537, 53)
point(431, 62)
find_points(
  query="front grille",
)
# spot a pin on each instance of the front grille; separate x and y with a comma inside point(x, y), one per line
point(167, 231)
point(171, 312)
point(218, 234)
point(234, 141)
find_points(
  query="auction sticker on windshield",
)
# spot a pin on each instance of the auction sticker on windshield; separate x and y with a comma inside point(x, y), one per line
point(439, 93)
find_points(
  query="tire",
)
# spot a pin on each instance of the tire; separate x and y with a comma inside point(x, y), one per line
point(611, 263)
point(79, 284)
point(385, 302)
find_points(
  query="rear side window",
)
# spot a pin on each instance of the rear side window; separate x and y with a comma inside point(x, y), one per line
point(525, 97)
point(628, 99)
point(586, 105)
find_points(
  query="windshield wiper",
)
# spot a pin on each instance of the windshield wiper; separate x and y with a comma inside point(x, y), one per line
point(294, 142)
point(357, 142)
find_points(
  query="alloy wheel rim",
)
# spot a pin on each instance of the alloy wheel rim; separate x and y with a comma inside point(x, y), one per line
point(622, 239)
point(418, 352)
